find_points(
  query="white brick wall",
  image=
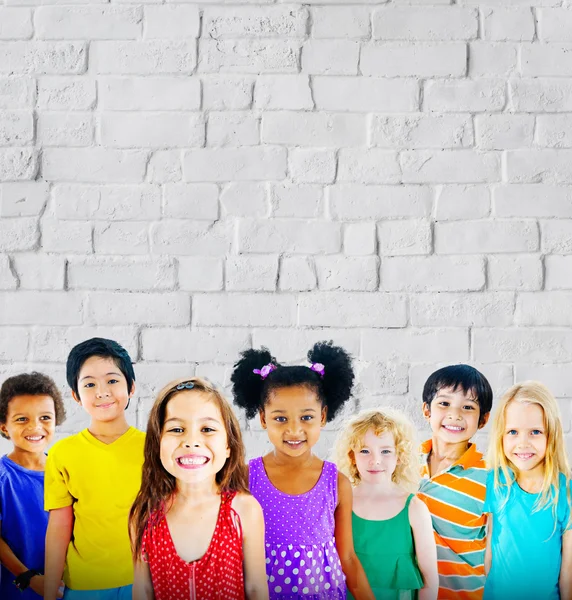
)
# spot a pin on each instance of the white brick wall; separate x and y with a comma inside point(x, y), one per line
point(195, 179)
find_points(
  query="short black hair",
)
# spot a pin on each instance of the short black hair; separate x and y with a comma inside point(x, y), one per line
point(30, 384)
point(103, 348)
point(334, 388)
point(460, 376)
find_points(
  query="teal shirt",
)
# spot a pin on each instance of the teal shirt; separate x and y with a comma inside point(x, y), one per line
point(526, 545)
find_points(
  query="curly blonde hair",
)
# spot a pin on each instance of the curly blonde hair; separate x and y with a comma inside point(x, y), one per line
point(351, 439)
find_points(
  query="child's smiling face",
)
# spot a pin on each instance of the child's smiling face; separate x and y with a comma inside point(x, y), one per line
point(377, 459)
point(30, 422)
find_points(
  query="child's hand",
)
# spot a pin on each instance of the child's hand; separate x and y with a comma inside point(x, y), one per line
point(37, 584)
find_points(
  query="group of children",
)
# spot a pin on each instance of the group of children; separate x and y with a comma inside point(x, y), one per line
point(112, 513)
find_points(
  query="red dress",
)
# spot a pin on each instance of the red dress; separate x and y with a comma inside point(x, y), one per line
point(218, 575)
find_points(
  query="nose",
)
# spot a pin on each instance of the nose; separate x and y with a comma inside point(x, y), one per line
point(102, 392)
point(454, 413)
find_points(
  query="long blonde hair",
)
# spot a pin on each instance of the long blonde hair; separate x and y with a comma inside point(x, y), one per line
point(351, 439)
point(555, 460)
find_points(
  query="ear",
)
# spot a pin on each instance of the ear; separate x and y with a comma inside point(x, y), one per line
point(228, 451)
point(262, 418)
point(426, 411)
point(4, 430)
point(132, 391)
point(76, 397)
point(484, 420)
point(324, 416)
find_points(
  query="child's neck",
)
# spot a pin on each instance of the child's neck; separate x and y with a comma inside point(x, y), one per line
point(382, 489)
point(108, 431)
point(35, 461)
point(531, 481)
point(444, 454)
point(285, 461)
point(193, 494)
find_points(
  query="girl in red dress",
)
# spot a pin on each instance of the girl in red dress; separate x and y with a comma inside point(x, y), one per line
point(196, 532)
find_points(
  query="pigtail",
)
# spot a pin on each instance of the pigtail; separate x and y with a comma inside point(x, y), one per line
point(247, 386)
point(338, 378)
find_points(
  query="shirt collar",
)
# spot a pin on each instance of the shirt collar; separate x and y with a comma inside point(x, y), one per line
point(469, 459)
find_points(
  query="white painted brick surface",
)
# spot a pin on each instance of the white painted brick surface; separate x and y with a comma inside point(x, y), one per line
point(195, 179)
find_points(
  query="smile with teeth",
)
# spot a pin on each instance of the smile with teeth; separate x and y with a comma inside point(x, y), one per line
point(34, 438)
point(294, 443)
point(192, 461)
point(454, 428)
point(524, 455)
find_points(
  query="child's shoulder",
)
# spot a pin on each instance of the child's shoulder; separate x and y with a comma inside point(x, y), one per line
point(66, 445)
point(247, 507)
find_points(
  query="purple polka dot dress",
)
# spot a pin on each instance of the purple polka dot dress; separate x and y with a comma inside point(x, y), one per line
point(301, 556)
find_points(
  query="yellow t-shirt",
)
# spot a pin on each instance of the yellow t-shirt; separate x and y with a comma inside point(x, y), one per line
point(100, 481)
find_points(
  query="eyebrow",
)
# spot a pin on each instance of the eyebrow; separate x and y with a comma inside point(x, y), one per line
point(203, 420)
point(106, 375)
point(305, 410)
point(47, 412)
point(446, 395)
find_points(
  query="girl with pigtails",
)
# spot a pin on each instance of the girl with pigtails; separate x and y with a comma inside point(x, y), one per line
point(307, 503)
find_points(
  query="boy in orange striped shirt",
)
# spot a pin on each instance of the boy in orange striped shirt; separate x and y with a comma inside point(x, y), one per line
point(457, 402)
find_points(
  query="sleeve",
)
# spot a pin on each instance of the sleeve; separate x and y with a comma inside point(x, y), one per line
point(490, 496)
point(567, 492)
point(56, 490)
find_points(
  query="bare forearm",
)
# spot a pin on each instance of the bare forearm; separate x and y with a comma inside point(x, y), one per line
point(356, 579)
point(565, 585)
point(57, 542)
point(10, 560)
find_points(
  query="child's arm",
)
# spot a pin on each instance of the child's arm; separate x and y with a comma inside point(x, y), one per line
point(565, 581)
point(142, 584)
point(252, 523)
point(425, 548)
point(489, 549)
point(58, 536)
point(356, 579)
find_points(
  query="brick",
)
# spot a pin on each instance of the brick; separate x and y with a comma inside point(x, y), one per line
point(365, 94)
point(297, 274)
point(121, 237)
point(94, 165)
point(508, 24)
point(360, 239)
point(8, 280)
point(414, 345)
point(551, 131)
point(191, 201)
point(164, 166)
point(313, 129)
point(283, 92)
point(414, 60)
point(465, 95)
point(556, 377)
point(18, 164)
point(503, 132)
point(385, 378)
point(462, 310)
point(65, 129)
point(433, 24)
point(14, 344)
point(460, 202)
point(554, 24)
point(16, 128)
point(107, 203)
point(249, 56)
point(371, 165)
point(536, 166)
point(251, 273)
point(355, 202)
point(533, 200)
point(522, 272)
point(150, 93)
point(17, 235)
point(352, 22)
point(558, 272)
point(541, 95)
point(23, 199)
point(410, 236)
point(296, 201)
point(200, 273)
point(41, 308)
point(556, 236)
point(255, 22)
point(50, 58)
point(541, 60)
point(120, 308)
point(15, 23)
point(491, 59)
point(197, 345)
point(190, 238)
point(243, 199)
point(486, 236)
point(39, 271)
point(327, 309)
point(66, 93)
point(330, 57)
point(433, 274)
point(309, 165)
point(17, 92)
point(227, 92)
point(172, 21)
point(258, 163)
point(111, 273)
point(154, 130)
point(66, 236)
point(143, 58)
point(421, 131)
point(88, 22)
point(347, 273)
point(233, 129)
point(244, 310)
point(450, 166)
point(295, 236)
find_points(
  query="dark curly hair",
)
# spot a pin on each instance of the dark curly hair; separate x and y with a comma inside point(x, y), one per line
point(251, 392)
point(30, 384)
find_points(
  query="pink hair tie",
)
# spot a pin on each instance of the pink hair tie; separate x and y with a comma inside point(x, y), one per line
point(318, 368)
point(265, 371)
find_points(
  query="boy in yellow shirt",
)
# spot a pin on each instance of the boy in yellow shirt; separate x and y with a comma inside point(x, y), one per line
point(92, 479)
